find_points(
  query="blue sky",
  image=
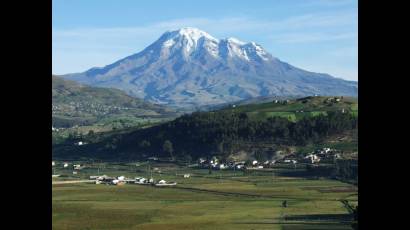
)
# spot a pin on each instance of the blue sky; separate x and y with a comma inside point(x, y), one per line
point(316, 35)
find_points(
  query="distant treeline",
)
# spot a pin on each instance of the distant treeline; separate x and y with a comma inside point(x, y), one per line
point(217, 133)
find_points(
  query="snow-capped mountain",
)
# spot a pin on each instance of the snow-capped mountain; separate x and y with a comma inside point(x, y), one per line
point(189, 67)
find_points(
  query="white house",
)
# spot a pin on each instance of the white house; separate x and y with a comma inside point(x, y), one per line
point(260, 167)
point(78, 166)
point(187, 175)
point(65, 165)
point(222, 166)
point(75, 172)
point(313, 158)
point(239, 166)
point(81, 143)
point(254, 162)
point(121, 178)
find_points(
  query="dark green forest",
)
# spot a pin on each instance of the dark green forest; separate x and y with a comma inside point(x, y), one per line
point(203, 134)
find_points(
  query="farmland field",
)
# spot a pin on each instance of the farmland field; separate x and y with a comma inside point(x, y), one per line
point(221, 200)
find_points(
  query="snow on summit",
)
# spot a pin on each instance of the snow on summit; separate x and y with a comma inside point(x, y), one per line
point(188, 67)
point(191, 40)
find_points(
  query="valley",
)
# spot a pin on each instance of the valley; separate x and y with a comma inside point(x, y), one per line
point(197, 132)
point(225, 199)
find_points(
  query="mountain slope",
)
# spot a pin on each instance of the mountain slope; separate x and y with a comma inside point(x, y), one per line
point(189, 67)
point(76, 104)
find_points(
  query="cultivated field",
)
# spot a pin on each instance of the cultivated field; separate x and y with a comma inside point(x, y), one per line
point(221, 200)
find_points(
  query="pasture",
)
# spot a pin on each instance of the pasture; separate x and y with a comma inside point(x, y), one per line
point(221, 200)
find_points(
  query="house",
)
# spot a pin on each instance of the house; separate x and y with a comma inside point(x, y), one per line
point(96, 177)
point(266, 163)
point(65, 165)
point(78, 167)
point(187, 175)
point(239, 166)
point(222, 166)
point(255, 162)
point(141, 180)
point(75, 172)
point(260, 167)
point(290, 161)
point(201, 160)
point(313, 158)
point(103, 177)
point(121, 178)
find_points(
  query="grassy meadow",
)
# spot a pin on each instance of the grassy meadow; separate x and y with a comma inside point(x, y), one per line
point(221, 200)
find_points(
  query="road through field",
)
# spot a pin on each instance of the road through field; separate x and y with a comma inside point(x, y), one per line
point(72, 181)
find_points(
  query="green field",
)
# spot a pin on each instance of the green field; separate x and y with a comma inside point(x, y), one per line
point(297, 109)
point(221, 200)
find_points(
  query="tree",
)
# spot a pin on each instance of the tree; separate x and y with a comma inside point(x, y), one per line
point(168, 148)
point(144, 144)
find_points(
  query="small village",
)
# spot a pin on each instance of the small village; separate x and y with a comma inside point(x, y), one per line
point(324, 155)
point(119, 180)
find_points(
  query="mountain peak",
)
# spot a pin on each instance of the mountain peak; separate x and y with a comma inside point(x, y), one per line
point(189, 32)
point(235, 40)
point(189, 67)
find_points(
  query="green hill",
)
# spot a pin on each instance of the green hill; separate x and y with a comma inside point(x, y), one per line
point(254, 128)
point(297, 108)
point(74, 104)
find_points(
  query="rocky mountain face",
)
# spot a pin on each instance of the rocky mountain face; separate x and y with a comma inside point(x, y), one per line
point(189, 67)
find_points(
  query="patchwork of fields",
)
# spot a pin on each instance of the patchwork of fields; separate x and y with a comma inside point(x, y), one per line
point(221, 200)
